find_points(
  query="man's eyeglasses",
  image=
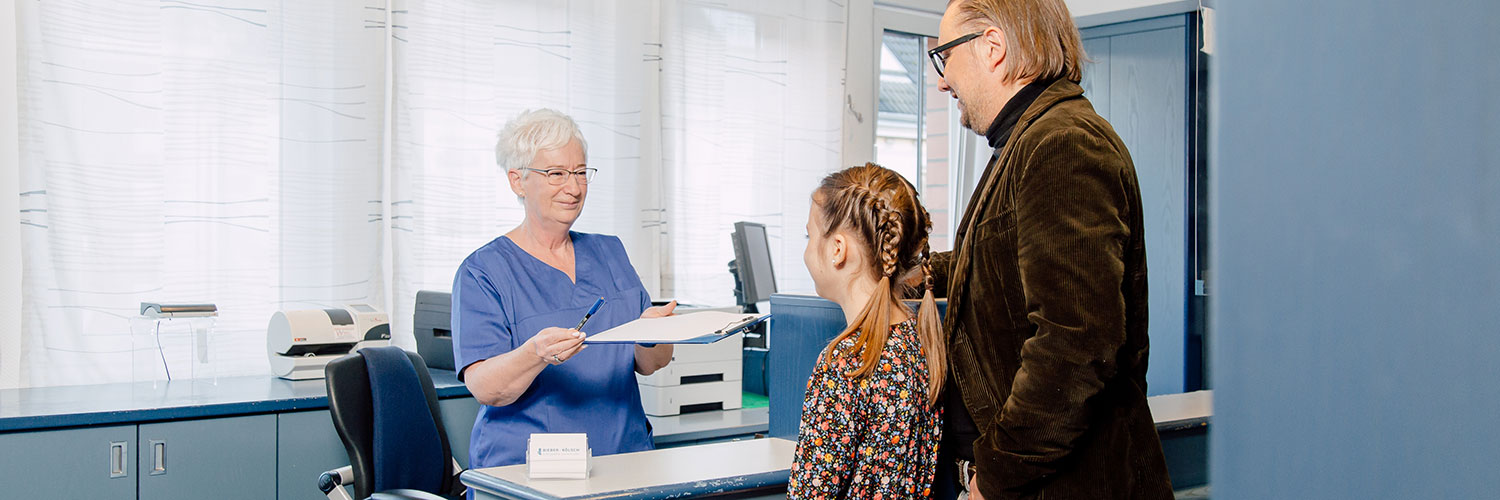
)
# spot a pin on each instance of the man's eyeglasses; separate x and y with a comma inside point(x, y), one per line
point(939, 54)
point(557, 176)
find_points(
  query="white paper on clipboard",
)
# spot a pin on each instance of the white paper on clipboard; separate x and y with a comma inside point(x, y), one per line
point(696, 328)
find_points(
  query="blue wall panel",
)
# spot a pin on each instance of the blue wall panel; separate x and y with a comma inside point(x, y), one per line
point(1356, 177)
point(1138, 81)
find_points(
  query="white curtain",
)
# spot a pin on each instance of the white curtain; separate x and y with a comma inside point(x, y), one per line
point(461, 69)
point(277, 155)
point(751, 96)
point(207, 151)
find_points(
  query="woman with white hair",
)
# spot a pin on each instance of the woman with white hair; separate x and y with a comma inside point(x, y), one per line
point(517, 299)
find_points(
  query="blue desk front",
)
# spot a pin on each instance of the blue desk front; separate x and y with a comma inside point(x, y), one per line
point(802, 325)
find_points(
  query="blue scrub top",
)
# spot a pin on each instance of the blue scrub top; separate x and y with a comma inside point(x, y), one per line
point(503, 296)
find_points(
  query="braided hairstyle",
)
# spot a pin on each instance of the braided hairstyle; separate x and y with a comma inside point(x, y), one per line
point(883, 213)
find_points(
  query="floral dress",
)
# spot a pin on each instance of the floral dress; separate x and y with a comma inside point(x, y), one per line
point(871, 437)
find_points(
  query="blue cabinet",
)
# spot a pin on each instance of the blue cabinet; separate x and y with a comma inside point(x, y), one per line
point(1138, 79)
point(306, 447)
point(224, 458)
point(96, 463)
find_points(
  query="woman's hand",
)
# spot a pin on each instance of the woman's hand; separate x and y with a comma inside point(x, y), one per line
point(650, 359)
point(501, 380)
point(660, 311)
point(555, 345)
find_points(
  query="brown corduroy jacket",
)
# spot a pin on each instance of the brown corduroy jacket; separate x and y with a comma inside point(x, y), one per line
point(1046, 313)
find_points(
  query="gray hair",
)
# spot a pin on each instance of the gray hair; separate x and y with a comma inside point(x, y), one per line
point(533, 131)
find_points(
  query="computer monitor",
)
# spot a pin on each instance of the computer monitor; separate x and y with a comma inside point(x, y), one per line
point(755, 281)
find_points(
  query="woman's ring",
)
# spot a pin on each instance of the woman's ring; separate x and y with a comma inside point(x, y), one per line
point(554, 358)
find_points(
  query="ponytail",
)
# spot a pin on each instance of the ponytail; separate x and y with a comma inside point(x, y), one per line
point(882, 207)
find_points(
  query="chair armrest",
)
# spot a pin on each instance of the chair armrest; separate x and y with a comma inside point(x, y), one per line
point(331, 483)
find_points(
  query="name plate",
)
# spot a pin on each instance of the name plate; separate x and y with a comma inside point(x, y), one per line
point(558, 456)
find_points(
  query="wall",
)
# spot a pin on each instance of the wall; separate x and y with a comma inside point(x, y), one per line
point(1357, 181)
point(1088, 13)
point(10, 188)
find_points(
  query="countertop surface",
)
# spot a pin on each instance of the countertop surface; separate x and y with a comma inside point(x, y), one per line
point(78, 405)
point(665, 473)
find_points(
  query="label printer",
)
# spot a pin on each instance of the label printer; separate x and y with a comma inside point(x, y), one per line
point(299, 343)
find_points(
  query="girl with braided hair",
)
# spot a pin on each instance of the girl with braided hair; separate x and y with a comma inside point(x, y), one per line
point(871, 417)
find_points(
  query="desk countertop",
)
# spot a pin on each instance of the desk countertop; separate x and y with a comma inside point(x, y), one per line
point(666, 473)
point(86, 405)
point(43, 408)
point(709, 425)
point(104, 404)
point(1176, 412)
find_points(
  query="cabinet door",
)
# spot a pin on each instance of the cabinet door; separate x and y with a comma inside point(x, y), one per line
point(75, 463)
point(1148, 99)
point(1137, 79)
point(225, 458)
point(458, 422)
point(306, 446)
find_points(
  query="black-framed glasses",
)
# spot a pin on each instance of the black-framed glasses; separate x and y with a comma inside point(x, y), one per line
point(557, 176)
point(939, 54)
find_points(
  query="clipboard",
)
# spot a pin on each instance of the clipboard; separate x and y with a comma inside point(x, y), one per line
point(704, 327)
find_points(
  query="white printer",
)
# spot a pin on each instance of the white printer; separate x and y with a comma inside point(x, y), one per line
point(701, 377)
point(299, 343)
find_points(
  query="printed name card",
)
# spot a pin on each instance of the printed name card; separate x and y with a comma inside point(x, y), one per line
point(558, 456)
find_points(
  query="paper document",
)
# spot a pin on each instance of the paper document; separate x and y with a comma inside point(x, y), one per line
point(692, 328)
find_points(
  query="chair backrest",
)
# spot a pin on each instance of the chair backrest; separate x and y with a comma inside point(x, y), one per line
point(390, 440)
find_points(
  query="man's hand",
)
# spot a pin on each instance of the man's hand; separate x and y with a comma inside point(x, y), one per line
point(974, 488)
point(659, 311)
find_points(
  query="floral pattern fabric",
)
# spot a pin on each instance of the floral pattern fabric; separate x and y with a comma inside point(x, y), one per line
point(873, 437)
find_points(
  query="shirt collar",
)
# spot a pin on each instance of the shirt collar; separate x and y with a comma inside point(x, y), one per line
point(1009, 115)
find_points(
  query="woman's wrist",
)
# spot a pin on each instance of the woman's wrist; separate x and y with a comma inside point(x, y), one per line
point(534, 354)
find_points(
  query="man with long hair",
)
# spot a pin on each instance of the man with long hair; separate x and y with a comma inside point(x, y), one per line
point(1047, 280)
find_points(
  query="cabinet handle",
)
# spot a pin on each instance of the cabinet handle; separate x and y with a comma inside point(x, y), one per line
point(117, 460)
point(158, 457)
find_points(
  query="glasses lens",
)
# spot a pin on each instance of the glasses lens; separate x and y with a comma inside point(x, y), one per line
point(588, 174)
point(937, 63)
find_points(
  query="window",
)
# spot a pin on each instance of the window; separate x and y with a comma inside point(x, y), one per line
point(912, 123)
point(915, 129)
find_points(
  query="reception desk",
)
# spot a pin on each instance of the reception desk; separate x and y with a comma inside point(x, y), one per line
point(758, 468)
point(752, 468)
point(241, 437)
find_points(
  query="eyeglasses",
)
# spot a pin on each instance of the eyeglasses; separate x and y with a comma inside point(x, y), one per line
point(939, 54)
point(557, 176)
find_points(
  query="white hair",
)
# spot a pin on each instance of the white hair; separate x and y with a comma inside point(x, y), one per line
point(533, 131)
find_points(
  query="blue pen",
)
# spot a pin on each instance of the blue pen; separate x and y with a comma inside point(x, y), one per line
point(590, 314)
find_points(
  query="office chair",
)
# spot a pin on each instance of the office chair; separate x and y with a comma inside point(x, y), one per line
point(396, 443)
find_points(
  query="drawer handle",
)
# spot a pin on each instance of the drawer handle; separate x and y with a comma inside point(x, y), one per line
point(158, 457)
point(117, 460)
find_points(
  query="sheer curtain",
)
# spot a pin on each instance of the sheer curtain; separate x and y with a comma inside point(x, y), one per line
point(746, 95)
point(208, 151)
point(750, 110)
point(461, 69)
point(285, 155)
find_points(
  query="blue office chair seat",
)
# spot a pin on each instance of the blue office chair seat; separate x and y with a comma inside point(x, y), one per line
point(386, 412)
